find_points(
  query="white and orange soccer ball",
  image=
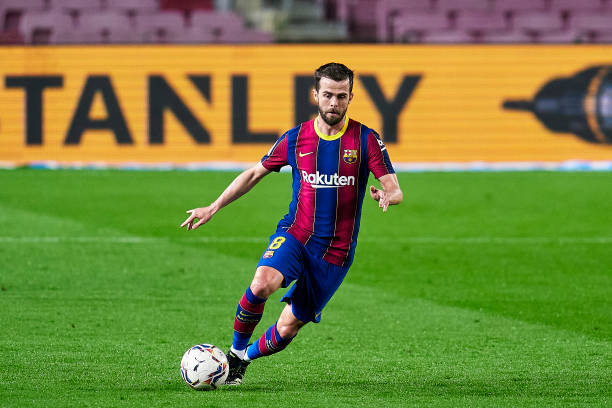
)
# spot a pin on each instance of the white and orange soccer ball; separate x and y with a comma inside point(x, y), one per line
point(204, 367)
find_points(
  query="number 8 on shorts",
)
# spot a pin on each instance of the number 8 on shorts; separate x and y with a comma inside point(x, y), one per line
point(276, 243)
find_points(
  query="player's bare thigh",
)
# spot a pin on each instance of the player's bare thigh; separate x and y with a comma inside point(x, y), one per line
point(266, 281)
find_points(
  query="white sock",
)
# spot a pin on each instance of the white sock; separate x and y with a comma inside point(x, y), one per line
point(239, 353)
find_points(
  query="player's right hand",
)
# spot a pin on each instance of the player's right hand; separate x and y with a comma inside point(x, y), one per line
point(197, 217)
point(381, 196)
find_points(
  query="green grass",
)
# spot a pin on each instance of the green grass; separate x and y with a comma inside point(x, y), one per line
point(480, 290)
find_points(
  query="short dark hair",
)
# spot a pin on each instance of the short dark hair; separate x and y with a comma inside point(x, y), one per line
point(334, 71)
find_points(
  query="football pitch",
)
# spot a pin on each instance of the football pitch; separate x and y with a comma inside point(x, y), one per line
point(479, 290)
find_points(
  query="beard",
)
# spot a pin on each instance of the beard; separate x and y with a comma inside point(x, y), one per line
point(332, 120)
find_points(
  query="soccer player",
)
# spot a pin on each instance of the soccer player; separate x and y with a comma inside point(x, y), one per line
point(330, 157)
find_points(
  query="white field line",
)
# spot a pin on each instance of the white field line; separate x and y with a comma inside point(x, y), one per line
point(264, 240)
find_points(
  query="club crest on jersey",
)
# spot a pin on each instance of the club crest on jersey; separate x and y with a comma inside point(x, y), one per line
point(350, 156)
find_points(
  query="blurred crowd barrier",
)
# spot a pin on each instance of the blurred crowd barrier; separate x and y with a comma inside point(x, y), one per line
point(228, 104)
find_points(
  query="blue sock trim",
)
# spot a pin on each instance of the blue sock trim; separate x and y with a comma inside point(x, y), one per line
point(240, 340)
point(254, 351)
point(252, 298)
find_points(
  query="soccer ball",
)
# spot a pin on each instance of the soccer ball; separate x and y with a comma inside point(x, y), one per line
point(204, 367)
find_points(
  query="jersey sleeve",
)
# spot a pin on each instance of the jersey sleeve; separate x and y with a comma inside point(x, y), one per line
point(378, 157)
point(276, 158)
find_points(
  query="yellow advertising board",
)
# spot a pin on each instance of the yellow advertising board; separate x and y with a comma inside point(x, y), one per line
point(185, 104)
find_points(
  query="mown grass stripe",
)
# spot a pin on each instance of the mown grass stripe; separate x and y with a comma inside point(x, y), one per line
point(246, 240)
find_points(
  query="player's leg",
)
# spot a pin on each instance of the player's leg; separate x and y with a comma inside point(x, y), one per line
point(250, 308)
point(277, 337)
point(279, 265)
point(305, 302)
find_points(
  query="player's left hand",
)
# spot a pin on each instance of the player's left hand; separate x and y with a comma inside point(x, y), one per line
point(381, 196)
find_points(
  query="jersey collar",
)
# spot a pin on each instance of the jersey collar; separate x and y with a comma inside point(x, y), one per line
point(331, 137)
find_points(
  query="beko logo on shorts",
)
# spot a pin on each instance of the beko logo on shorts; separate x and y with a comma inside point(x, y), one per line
point(319, 180)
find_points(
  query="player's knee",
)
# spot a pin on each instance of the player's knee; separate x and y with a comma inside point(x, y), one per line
point(260, 289)
point(266, 281)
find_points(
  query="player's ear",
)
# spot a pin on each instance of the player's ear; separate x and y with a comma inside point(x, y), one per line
point(350, 97)
point(315, 95)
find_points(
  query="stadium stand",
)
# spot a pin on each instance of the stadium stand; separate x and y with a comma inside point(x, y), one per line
point(521, 5)
point(506, 37)
point(76, 6)
point(363, 23)
point(225, 28)
point(562, 37)
point(264, 21)
point(304, 21)
point(22, 5)
point(463, 5)
point(184, 5)
point(45, 27)
point(101, 27)
point(121, 22)
point(593, 27)
point(11, 12)
point(576, 5)
point(162, 27)
point(598, 22)
point(387, 11)
point(477, 21)
point(132, 7)
point(412, 26)
point(448, 37)
point(538, 23)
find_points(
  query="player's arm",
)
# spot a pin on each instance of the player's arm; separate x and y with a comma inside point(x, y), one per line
point(237, 188)
point(391, 194)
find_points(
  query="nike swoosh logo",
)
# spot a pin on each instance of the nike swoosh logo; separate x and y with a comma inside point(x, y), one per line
point(305, 154)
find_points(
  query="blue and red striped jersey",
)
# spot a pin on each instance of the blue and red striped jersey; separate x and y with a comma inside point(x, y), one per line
point(330, 175)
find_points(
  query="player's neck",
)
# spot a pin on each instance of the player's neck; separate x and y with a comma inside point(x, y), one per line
point(328, 130)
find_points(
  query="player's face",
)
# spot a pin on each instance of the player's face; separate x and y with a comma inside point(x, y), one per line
point(333, 99)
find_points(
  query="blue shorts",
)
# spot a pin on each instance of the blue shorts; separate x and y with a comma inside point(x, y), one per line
point(315, 279)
